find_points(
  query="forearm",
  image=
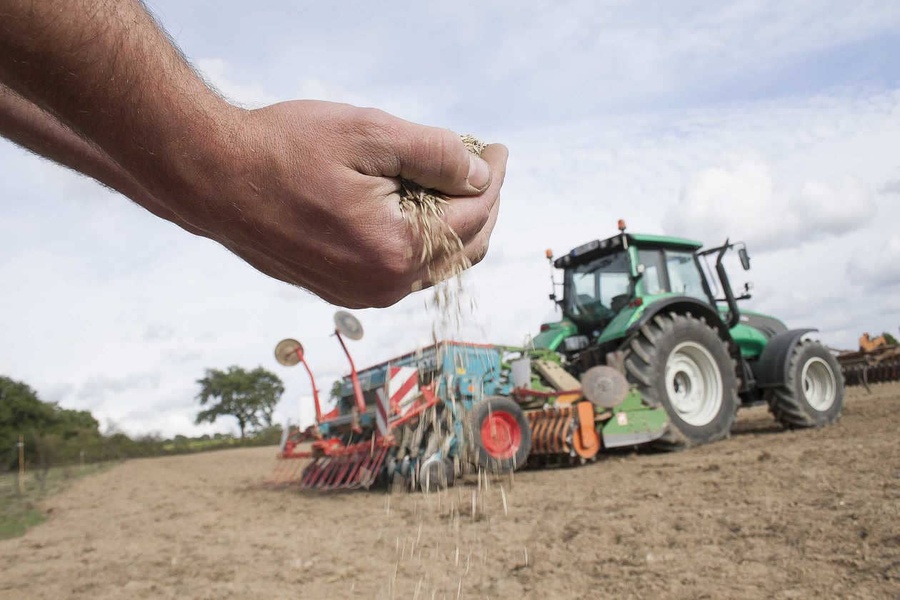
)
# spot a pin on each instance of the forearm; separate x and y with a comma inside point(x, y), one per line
point(105, 69)
point(305, 191)
point(33, 128)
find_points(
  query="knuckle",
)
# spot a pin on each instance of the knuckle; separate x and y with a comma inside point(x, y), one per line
point(368, 117)
point(479, 252)
point(476, 217)
point(448, 149)
point(387, 298)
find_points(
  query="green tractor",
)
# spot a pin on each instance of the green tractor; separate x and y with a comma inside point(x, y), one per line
point(644, 305)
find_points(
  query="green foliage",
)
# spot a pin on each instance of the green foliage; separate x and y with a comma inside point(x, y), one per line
point(50, 431)
point(55, 436)
point(248, 396)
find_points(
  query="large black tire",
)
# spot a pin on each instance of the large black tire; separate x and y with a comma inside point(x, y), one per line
point(501, 437)
point(812, 394)
point(680, 363)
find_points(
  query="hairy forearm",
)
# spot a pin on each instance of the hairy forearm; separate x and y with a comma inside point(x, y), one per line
point(305, 191)
point(35, 129)
point(106, 70)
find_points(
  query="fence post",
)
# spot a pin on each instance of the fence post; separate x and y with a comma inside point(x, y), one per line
point(21, 446)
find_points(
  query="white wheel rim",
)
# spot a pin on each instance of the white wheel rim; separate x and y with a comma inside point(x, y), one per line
point(819, 384)
point(694, 384)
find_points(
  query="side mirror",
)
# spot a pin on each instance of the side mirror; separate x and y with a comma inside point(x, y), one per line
point(745, 258)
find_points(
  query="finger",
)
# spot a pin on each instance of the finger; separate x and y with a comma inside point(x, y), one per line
point(434, 158)
point(467, 216)
point(477, 249)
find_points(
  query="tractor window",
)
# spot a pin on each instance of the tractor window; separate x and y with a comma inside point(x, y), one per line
point(595, 290)
point(684, 276)
point(653, 279)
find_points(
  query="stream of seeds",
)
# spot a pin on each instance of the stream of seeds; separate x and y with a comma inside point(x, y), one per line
point(442, 251)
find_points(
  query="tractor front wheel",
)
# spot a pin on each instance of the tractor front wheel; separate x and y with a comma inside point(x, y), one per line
point(500, 433)
point(812, 394)
point(680, 363)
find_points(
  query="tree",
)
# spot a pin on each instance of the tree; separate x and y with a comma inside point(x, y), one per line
point(55, 433)
point(250, 397)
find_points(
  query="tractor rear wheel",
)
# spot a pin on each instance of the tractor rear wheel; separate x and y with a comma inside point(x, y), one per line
point(500, 433)
point(680, 363)
point(812, 394)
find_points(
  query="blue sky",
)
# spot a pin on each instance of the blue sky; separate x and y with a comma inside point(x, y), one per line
point(773, 122)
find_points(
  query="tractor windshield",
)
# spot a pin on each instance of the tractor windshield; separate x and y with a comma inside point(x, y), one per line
point(595, 291)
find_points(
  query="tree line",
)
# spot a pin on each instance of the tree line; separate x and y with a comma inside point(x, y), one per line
point(54, 435)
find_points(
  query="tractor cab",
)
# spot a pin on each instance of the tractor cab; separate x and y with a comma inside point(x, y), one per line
point(613, 287)
point(603, 277)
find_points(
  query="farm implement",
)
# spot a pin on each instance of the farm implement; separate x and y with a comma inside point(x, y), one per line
point(426, 417)
point(652, 349)
point(876, 361)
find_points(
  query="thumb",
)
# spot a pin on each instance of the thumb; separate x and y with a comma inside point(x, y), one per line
point(437, 159)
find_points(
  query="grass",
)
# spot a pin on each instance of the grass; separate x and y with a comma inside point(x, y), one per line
point(19, 512)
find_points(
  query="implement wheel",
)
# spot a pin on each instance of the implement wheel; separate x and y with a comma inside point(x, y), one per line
point(813, 391)
point(680, 363)
point(501, 436)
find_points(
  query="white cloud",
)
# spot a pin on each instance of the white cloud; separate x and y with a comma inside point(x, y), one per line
point(890, 187)
point(877, 267)
point(745, 198)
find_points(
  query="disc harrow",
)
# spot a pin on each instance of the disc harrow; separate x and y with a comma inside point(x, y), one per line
point(872, 363)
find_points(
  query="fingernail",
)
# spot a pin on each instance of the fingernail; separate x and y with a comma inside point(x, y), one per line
point(479, 173)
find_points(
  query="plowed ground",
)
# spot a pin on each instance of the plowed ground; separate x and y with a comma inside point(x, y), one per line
point(766, 514)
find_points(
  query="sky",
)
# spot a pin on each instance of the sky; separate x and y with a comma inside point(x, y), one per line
point(773, 123)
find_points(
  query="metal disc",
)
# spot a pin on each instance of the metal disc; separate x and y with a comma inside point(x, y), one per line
point(348, 325)
point(288, 352)
point(604, 386)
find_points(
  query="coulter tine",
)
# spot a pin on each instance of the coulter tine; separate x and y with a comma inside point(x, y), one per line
point(309, 473)
point(333, 475)
point(339, 473)
point(323, 472)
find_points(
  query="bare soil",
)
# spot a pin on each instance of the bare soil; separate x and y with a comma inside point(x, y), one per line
point(766, 514)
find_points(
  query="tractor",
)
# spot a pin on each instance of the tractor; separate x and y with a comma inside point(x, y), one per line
point(644, 305)
point(650, 351)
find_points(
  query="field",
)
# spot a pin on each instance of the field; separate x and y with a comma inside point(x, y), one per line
point(18, 511)
point(765, 514)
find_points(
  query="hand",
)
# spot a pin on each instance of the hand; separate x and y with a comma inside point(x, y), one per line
point(313, 198)
point(304, 191)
